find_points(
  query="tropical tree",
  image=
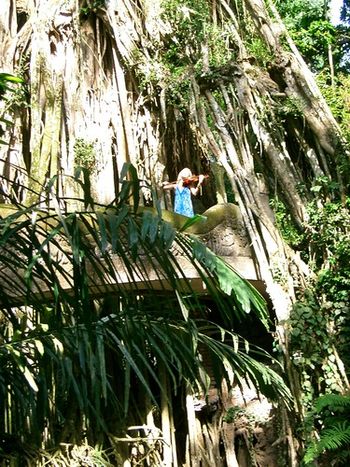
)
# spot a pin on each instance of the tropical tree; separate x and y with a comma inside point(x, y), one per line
point(310, 27)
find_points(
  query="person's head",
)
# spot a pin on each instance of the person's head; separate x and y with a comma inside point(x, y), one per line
point(184, 173)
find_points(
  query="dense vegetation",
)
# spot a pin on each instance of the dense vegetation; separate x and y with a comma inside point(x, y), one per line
point(320, 321)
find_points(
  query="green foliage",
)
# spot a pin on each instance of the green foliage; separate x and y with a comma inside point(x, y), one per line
point(329, 235)
point(190, 29)
point(330, 417)
point(285, 223)
point(259, 50)
point(188, 20)
point(338, 98)
point(301, 12)
point(332, 402)
point(220, 51)
point(232, 413)
point(289, 106)
point(91, 6)
point(95, 324)
point(310, 28)
point(319, 323)
point(5, 80)
point(312, 347)
point(84, 155)
point(329, 232)
point(324, 189)
point(178, 92)
point(314, 41)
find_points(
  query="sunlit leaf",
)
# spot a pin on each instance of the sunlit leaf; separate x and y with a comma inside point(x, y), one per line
point(30, 379)
point(39, 346)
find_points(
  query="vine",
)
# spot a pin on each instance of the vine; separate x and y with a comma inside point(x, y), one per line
point(312, 343)
point(319, 323)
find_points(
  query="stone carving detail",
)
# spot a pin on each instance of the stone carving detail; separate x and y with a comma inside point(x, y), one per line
point(224, 231)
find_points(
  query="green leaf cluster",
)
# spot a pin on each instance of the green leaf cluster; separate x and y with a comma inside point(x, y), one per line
point(190, 29)
point(329, 237)
point(319, 322)
point(5, 80)
point(309, 26)
point(84, 154)
point(312, 348)
point(337, 95)
point(289, 231)
point(259, 50)
point(330, 416)
point(91, 6)
point(329, 231)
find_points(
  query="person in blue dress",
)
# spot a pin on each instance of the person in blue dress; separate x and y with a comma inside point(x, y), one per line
point(184, 189)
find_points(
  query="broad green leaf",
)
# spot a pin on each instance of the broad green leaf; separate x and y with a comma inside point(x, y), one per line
point(102, 231)
point(58, 345)
point(30, 379)
point(192, 220)
point(183, 307)
point(39, 346)
point(11, 78)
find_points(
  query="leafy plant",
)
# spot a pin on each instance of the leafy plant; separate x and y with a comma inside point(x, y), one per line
point(5, 80)
point(96, 303)
point(259, 50)
point(337, 96)
point(191, 26)
point(285, 223)
point(232, 413)
point(84, 154)
point(330, 417)
point(310, 28)
point(91, 6)
point(312, 347)
point(289, 107)
point(329, 241)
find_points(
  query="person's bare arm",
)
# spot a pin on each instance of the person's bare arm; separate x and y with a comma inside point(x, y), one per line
point(168, 185)
point(194, 190)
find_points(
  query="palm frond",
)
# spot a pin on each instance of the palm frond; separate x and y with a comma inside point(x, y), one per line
point(96, 302)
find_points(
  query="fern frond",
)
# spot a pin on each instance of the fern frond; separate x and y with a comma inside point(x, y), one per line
point(338, 436)
point(332, 401)
point(311, 453)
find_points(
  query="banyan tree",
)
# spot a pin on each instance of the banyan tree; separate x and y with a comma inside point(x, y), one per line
point(216, 86)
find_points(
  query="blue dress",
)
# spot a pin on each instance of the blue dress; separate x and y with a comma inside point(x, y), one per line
point(183, 202)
